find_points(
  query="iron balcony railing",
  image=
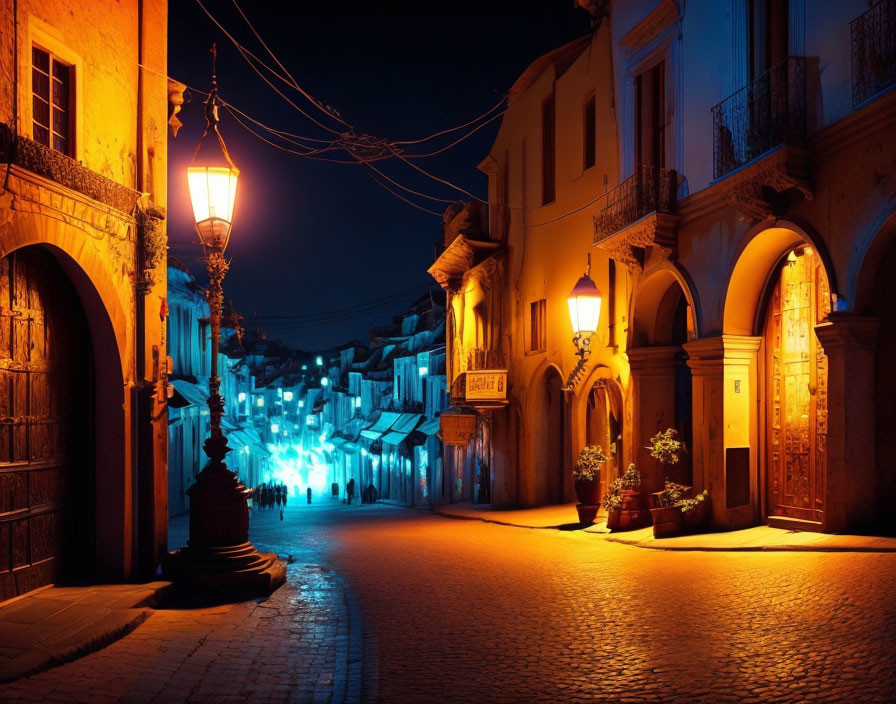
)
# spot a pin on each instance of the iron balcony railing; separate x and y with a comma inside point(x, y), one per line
point(873, 51)
point(765, 114)
point(650, 189)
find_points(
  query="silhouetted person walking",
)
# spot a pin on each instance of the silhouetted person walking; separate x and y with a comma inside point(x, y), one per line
point(309, 494)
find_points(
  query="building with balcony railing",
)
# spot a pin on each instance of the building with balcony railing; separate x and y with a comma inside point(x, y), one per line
point(873, 51)
point(730, 169)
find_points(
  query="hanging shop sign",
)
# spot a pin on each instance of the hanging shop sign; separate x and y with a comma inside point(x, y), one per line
point(486, 385)
point(457, 429)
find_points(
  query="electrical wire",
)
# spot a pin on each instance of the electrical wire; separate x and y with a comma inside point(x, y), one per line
point(398, 195)
point(246, 54)
point(299, 317)
point(453, 129)
point(455, 142)
point(405, 188)
point(295, 84)
point(436, 178)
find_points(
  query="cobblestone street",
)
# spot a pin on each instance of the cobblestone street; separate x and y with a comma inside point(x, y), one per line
point(463, 611)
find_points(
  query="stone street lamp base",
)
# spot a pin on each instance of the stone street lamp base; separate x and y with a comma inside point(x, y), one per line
point(238, 569)
point(219, 556)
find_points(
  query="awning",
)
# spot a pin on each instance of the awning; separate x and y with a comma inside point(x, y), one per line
point(403, 427)
point(192, 394)
point(430, 427)
point(375, 430)
point(238, 440)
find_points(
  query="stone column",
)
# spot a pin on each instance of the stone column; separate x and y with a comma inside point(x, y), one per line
point(849, 341)
point(725, 446)
point(653, 409)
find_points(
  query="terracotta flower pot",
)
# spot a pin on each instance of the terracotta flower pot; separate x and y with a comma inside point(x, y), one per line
point(667, 521)
point(588, 491)
point(632, 514)
point(613, 519)
point(697, 517)
point(587, 513)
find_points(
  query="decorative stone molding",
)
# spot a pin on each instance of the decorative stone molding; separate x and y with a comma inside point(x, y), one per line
point(768, 186)
point(626, 246)
point(64, 170)
point(458, 258)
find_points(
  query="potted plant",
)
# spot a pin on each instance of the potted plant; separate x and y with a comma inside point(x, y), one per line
point(586, 474)
point(623, 501)
point(695, 510)
point(666, 512)
point(667, 448)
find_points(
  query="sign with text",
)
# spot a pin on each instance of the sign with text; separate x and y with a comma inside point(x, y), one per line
point(486, 385)
point(457, 429)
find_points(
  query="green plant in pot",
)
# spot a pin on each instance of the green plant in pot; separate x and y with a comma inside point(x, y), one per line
point(586, 474)
point(623, 501)
point(666, 513)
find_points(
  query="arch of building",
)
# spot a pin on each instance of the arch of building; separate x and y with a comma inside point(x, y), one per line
point(753, 266)
point(103, 290)
point(664, 315)
point(732, 374)
point(543, 462)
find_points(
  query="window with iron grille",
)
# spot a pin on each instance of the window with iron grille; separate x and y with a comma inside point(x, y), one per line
point(537, 335)
point(51, 101)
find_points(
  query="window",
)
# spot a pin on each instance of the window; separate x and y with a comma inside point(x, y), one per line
point(589, 117)
point(650, 142)
point(768, 20)
point(547, 150)
point(51, 88)
point(537, 336)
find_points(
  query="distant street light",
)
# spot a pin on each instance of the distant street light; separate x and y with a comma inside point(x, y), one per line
point(219, 554)
point(584, 313)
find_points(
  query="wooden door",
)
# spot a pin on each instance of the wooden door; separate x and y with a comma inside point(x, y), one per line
point(45, 487)
point(797, 393)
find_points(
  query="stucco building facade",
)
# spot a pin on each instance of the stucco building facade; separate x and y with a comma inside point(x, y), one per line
point(731, 169)
point(83, 447)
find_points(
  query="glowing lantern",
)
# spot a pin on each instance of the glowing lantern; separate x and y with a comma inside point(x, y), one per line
point(275, 428)
point(319, 361)
point(584, 306)
point(287, 395)
point(241, 396)
point(260, 402)
point(423, 371)
point(213, 193)
point(324, 381)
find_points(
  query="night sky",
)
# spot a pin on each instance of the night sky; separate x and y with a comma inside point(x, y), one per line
point(311, 237)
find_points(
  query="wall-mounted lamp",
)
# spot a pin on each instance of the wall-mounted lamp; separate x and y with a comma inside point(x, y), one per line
point(584, 313)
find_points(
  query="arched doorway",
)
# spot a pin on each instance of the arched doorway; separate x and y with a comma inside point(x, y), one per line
point(603, 425)
point(663, 322)
point(884, 308)
point(795, 387)
point(47, 483)
point(549, 440)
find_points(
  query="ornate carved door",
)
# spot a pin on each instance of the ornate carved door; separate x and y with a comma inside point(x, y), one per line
point(44, 426)
point(797, 389)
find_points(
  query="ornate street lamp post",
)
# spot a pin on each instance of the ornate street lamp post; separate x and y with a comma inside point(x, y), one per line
point(219, 554)
point(584, 313)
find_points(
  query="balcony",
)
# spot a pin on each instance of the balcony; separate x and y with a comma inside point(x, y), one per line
point(758, 139)
point(639, 213)
point(873, 51)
